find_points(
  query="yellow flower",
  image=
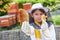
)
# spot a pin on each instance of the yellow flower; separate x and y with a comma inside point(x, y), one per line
point(5, 6)
point(6, 0)
point(1, 2)
point(2, 10)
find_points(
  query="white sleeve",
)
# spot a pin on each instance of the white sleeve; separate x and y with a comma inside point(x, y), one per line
point(46, 35)
point(52, 31)
point(28, 30)
point(46, 32)
point(25, 28)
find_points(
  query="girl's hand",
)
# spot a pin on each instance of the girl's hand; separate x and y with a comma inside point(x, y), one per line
point(43, 17)
point(44, 25)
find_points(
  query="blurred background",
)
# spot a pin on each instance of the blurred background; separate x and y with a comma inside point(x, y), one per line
point(53, 5)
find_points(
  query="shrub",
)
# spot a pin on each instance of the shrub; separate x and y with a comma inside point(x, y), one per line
point(56, 19)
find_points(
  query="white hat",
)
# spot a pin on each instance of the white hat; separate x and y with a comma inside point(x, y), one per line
point(38, 6)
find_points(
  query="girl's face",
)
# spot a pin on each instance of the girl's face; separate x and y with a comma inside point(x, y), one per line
point(37, 15)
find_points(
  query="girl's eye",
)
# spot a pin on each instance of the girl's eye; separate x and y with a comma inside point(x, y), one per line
point(36, 14)
point(41, 14)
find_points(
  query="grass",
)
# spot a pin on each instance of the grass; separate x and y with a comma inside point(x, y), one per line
point(13, 27)
point(56, 19)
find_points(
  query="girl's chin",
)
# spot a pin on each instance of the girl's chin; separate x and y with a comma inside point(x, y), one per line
point(39, 21)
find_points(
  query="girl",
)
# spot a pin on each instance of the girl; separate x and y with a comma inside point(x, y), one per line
point(40, 28)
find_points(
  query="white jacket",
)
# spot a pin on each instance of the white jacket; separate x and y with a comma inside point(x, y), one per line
point(46, 34)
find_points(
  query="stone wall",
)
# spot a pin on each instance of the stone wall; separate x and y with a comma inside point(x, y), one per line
point(19, 35)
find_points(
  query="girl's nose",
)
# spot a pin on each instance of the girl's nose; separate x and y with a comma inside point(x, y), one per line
point(39, 15)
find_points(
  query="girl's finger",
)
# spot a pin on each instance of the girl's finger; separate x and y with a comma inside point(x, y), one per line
point(43, 17)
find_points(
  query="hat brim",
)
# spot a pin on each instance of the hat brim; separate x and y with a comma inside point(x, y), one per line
point(44, 8)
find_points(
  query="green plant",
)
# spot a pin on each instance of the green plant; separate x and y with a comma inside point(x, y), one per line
point(56, 19)
point(13, 27)
point(2, 13)
point(4, 4)
point(47, 3)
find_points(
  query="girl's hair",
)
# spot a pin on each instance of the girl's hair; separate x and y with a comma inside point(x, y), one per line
point(42, 10)
point(31, 18)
